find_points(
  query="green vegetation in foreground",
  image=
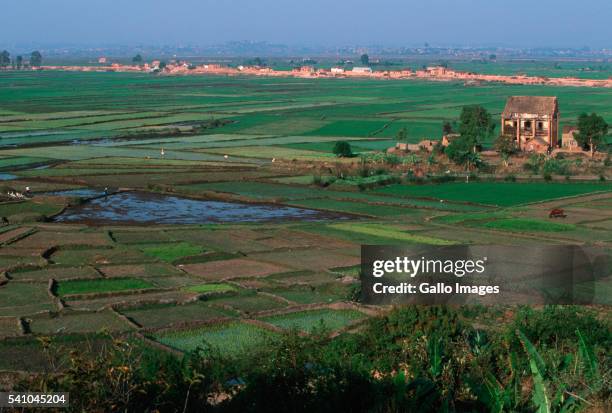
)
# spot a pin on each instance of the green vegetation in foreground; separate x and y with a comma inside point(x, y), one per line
point(172, 251)
point(232, 338)
point(562, 350)
point(101, 286)
point(385, 231)
point(495, 193)
point(210, 288)
point(309, 320)
point(527, 225)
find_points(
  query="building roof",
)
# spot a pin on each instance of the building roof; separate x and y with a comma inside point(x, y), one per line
point(539, 105)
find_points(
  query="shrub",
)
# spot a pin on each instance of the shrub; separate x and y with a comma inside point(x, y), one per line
point(440, 179)
point(556, 325)
point(555, 166)
point(343, 149)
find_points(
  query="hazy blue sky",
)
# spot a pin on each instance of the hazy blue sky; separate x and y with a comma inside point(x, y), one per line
point(310, 22)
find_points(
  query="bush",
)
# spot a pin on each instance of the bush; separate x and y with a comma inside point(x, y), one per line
point(556, 325)
point(555, 166)
point(440, 179)
point(343, 149)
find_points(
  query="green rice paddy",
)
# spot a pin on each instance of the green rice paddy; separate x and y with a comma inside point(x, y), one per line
point(309, 320)
point(522, 224)
point(210, 288)
point(172, 252)
point(232, 338)
point(495, 193)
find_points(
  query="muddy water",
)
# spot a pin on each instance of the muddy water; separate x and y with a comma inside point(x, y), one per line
point(147, 208)
point(77, 193)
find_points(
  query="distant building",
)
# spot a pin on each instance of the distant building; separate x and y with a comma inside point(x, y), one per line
point(568, 140)
point(362, 69)
point(102, 60)
point(337, 70)
point(533, 121)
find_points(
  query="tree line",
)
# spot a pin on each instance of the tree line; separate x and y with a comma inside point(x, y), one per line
point(18, 61)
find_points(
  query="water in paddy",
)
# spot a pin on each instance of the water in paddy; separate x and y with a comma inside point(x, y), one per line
point(148, 208)
point(77, 193)
point(7, 177)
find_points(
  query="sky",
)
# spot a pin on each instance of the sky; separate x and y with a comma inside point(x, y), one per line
point(520, 23)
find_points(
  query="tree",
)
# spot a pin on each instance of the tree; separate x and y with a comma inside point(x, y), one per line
point(458, 151)
point(5, 59)
point(506, 146)
point(343, 149)
point(402, 135)
point(475, 125)
point(162, 65)
point(36, 59)
point(591, 131)
point(365, 59)
point(447, 127)
point(137, 59)
point(19, 62)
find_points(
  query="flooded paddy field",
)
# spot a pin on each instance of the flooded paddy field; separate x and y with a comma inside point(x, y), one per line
point(148, 208)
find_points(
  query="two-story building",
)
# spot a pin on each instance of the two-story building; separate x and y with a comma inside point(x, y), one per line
point(533, 122)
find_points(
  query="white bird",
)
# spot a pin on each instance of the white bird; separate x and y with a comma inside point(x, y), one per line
point(225, 156)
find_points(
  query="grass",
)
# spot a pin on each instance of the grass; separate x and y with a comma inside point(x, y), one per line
point(309, 320)
point(172, 251)
point(101, 286)
point(230, 339)
point(495, 193)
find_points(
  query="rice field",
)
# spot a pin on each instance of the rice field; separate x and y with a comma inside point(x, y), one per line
point(496, 193)
point(172, 251)
point(71, 287)
point(210, 288)
point(231, 338)
point(307, 321)
point(527, 225)
point(383, 231)
point(184, 285)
